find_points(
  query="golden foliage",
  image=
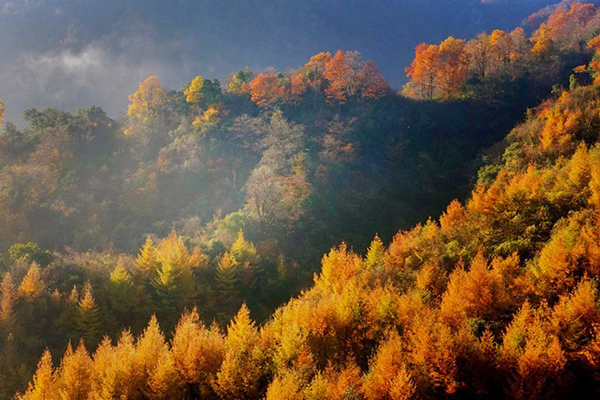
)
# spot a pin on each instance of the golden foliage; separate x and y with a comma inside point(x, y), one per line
point(148, 100)
point(42, 385)
point(197, 351)
point(388, 376)
point(531, 356)
point(477, 293)
point(32, 284)
point(242, 372)
point(193, 93)
point(73, 379)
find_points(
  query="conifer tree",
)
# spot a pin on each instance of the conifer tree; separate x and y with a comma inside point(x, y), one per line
point(388, 375)
point(164, 382)
point(67, 321)
point(244, 369)
point(7, 303)
point(148, 351)
point(42, 386)
point(32, 285)
point(146, 260)
point(106, 367)
point(374, 259)
point(73, 380)
point(88, 319)
point(227, 283)
point(13, 368)
point(167, 290)
point(197, 353)
point(246, 259)
point(243, 252)
point(239, 83)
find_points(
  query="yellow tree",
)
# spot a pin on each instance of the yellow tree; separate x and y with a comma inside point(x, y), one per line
point(149, 99)
point(149, 349)
point(542, 42)
point(172, 250)
point(388, 376)
point(144, 113)
point(315, 70)
point(478, 293)
point(338, 268)
point(42, 386)
point(375, 254)
point(554, 269)
point(245, 259)
point(115, 373)
point(210, 117)
point(7, 302)
point(453, 66)
point(502, 48)
point(287, 385)
point(32, 284)
point(193, 93)
point(531, 357)
point(575, 315)
point(74, 374)
point(173, 279)
point(146, 260)
point(164, 383)
point(243, 371)
point(197, 353)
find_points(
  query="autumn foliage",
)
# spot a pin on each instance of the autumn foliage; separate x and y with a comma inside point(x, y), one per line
point(496, 298)
point(452, 68)
point(339, 78)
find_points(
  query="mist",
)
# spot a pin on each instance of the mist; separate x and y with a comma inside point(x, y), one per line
point(67, 54)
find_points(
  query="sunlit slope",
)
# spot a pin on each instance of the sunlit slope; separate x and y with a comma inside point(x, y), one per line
point(496, 298)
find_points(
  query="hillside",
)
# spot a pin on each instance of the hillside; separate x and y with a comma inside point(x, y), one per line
point(206, 211)
point(496, 298)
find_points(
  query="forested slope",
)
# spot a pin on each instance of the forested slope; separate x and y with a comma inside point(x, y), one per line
point(495, 298)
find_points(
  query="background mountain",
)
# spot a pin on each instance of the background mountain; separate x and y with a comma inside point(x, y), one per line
point(68, 54)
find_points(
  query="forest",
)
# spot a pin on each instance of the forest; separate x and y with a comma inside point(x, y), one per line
point(313, 234)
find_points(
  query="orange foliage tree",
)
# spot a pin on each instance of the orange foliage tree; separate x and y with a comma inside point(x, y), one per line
point(266, 89)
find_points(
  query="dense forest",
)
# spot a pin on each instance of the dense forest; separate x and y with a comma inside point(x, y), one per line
point(177, 253)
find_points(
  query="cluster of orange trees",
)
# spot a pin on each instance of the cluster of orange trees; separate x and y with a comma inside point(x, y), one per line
point(343, 76)
point(445, 70)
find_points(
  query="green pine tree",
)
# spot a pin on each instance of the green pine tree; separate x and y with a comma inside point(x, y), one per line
point(88, 321)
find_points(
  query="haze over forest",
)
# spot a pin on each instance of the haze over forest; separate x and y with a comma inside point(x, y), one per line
point(69, 54)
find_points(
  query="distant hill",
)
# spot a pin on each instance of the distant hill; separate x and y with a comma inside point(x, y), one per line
point(66, 54)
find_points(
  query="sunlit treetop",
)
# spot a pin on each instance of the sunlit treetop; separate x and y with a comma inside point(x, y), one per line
point(149, 99)
point(193, 93)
